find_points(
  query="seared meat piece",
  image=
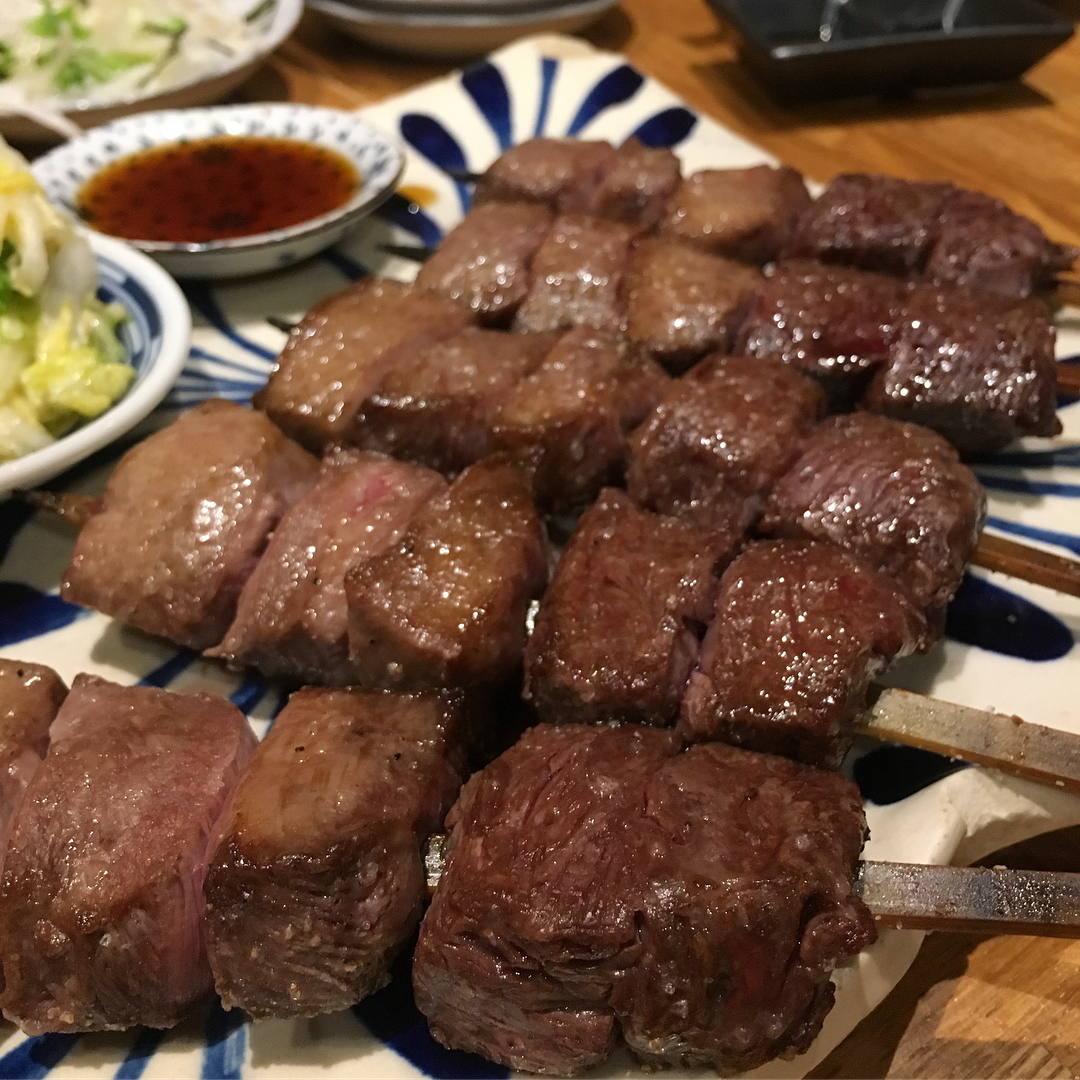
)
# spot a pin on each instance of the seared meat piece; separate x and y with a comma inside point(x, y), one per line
point(617, 631)
point(601, 883)
point(485, 263)
point(681, 303)
point(315, 878)
point(184, 520)
point(984, 245)
point(437, 406)
point(832, 322)
point(637, 187)
point(577, 276)
point(30, 694)
point(342, 349)
point(725, 432)
point(977, 371)
point(895, 494)
point(100, 921)
point(562, 174)
point(937, 231)
point(800, 630)
point(291, 622)
point(744, 214)
point(568, 420)
point(878, 223)
point(446, 605)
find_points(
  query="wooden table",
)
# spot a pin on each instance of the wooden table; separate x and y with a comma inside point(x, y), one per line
point(969, 1007)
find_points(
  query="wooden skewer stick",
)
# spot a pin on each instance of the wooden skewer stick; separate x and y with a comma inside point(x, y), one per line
point(76, 509)
point(1068, 379)
point(979, 899)
point(1028, 563)
point(1001, 742)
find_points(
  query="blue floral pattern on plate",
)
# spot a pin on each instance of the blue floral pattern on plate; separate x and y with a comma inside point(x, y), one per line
point(1005, 636)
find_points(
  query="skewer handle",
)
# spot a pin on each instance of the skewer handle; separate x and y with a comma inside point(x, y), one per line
point(1028, 563)
point(1002, 742)
point(971, 899)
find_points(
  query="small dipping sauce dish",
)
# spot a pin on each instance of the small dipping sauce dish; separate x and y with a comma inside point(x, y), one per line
point(226, 191)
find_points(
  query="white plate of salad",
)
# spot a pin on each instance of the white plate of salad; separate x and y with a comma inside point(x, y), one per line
point(92, 334)
point(91, 61)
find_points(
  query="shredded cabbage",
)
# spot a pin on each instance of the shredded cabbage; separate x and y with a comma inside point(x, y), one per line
point(61, 362)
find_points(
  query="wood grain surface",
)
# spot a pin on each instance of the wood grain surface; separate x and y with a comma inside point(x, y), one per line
point(969, 1006)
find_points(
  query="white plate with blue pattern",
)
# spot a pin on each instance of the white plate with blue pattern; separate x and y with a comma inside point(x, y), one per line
point(1009, 646)
point(156, 336)
point(378, 162)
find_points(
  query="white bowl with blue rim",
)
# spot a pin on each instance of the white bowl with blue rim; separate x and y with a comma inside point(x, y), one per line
point(156, 336)
point(275, 23)
point(377, 160)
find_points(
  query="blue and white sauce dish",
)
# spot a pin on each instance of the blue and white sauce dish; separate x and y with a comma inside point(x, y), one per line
point(1010, 646)
point(377, 160)
point(156, 336)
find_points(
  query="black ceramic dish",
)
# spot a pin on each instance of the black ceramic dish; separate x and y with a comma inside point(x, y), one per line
point(812, 49)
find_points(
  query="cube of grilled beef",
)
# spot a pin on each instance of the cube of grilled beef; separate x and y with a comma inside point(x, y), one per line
point(617, 632)
point(928, 230)
point(342, 349)
point(878, 223)
point(100, 909)
point(569, 419)
point(602, 886)
point(725, 432)
point(800, 630)
point(291, 622)
point(895, 494)
point(982, 244)
point(682, 304)
point(315, 878)
point(437, 406)
point(835, 323)
point(30, 694)
point(485, 263)
point(446, 605)
point(562, 174)
point(975, 368)
point(183, 521)
point(577, 276)
point(638, 185)
point(744, 214)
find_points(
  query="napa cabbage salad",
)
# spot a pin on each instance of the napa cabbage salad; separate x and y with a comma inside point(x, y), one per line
point(61, 362)
point(105, 50)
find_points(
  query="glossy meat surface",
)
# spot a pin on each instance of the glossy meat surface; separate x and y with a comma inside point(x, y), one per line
point(562, 174)
point(835, 323)
point(602, 885)
point(446, 605)
point(975, 368)
point(569, 419)
point(577, 276)
point(725, 432)
point(743, 214)
point(100, 923)
point(437, 406)
point(485, 263)
point(878, 223)
point(617, 631)
point(342, 349)
point(893, 493)
point(183, 521)
point(315, 880)
point(30, 694)
point(291, 622)
point(800, 629)
point(638, 185)
point(682, 303)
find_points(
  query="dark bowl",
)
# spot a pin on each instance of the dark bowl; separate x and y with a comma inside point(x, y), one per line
point(813, 49)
